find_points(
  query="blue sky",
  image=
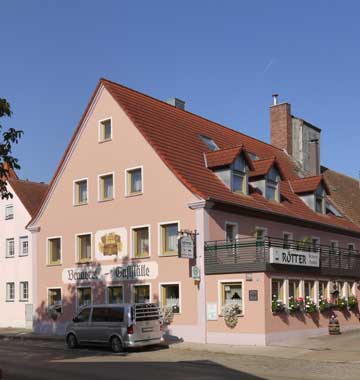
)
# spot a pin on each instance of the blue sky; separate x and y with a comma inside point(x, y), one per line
point(225, 58)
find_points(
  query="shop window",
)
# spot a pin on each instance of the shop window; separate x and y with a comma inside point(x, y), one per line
point(106, 187)
point(294, 288)
point(140, 242)
point(169, 239)
point(231, 293)
point(170, 296)
point(277, 289)
point(323, 289)
point(105, 130)
point(351, 288)
point(309, 289)
point(54, 251)
point(24, 246)
point(9, 212)
point(83, 246)
point(84, 296)
point(115, 294)
point(231, 231)
point(24, 291)
point(340, 286)
point(10, 291)
point(10, 247)
point(134, 181)
point(81, 192)
point(54, 299)
point(141, 293)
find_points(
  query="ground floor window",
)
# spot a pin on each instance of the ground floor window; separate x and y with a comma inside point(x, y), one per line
point(351, 288)
point(309, 287)
point(84, 297)
point(323, 290)
point(340, 288)
point(170, 296)
point(115, 294)
point(294, 288)
point(10, 291)
point(141, 293)
point(24, 291)
point(277, 289)
point(54, 299)
point(231, 293)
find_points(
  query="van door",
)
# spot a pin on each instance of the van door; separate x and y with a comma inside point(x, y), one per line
point(107, 321)
point(82, 324)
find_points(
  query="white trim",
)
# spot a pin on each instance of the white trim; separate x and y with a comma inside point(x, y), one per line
point(98, 186)
point(228, 223)
point(77, 297)
point(113, 286)
point(132, 294)
point(126, 172)
point(87, 191)
point(132, 253)
point(178, 283)
point(28, 291)
point(32, 226)
point(6, 291)
point(8, 240)
point(21, 239)
point(285, 281)
point(47, 250)
point(160, 224)
point(47, 294)
point(77, 261)
point(99, 129)
point(8, 206)
point(219, 298)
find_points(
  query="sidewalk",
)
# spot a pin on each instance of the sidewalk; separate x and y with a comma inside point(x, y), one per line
point(15, 333)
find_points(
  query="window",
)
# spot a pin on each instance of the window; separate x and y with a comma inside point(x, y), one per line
point(9, 212)
point(287, 237)
point(83, 246)
point(84, 315)
point(309, 289)
point(294, 288)
point(340, 286)
point(24, 246)
point(24, 291)
point(54, 251)
point(105, 132)
point(81, 192)
point(230, 231)
point(334, 247)
point(320, 200)
point(106, 187)
point(210, 143)
point(134, 181)
point(107, 314)
point(277, 289)
point(84, 297)
point(115, 294)
point(170, 296)
point(10, 247)
point(323, 289)
point(239, 181)
point(231, 293)
point(54, 299)
point(10, 291)
point(140, 242)
point(169, 241)
point(315, 243)
point(351, 248)
point(141, 293)
point(351, 287)
point(272, 181)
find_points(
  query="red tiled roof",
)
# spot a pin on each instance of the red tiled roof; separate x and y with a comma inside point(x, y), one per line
point(308, 184)
point(225, 157)
point(262, 167)
point(31, 194)
point(175, 136)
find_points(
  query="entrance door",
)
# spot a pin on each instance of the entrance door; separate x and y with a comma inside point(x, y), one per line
point(231, 231)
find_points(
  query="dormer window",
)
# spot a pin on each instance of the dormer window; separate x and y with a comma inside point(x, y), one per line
point(210, 143)
point(239, 180)
point(320, 200)
point(272, 192)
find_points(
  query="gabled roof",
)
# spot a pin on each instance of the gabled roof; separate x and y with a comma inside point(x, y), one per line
point(174, 135)
point(224, 157)
point(309, 184)
point(262, 167)
point(31, 194)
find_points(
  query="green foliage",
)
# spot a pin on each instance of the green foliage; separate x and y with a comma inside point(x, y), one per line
point(352, 302)
point(295, 304)
point(324, 305)
point(310, 306)
point(8, 138)
point(277, 306)
point(342, 303)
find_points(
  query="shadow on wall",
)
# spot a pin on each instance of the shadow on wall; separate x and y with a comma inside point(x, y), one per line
point(49, 321)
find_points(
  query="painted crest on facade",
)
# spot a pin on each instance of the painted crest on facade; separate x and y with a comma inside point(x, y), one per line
point(111, 244)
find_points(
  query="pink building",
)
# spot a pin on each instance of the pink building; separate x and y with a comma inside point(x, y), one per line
point(269, 242)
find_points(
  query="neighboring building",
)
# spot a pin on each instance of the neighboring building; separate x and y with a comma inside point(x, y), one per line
point(17, 260)
point(138, 171)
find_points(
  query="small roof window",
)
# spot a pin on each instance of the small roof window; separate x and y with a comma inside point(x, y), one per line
point(210, 143)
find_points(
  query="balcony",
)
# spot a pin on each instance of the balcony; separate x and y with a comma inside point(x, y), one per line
point(278, 255)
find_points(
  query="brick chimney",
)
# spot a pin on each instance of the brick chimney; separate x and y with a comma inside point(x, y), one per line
point(281, 125)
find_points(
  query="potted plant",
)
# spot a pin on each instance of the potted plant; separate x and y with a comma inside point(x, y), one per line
point(231, 314)
point(167, 315)
point(277, 305)
point(295, 304)
point(352, 302)
point(310, 306)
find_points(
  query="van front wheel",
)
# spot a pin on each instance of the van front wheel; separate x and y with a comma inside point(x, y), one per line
point(71, 341)
point(116, 345)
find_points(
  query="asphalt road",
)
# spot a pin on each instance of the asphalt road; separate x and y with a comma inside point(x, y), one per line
point(29, 360)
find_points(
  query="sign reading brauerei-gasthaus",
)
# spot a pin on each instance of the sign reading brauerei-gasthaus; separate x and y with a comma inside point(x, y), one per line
point(294, 257)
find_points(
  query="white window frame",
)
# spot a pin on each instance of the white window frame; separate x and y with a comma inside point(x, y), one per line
point(178, 283)
point(318, 239)
point(132, 292)
point(291, 236)
point(235, 224)
point(107, 301)
point(48, 251)
point(77, 296)
point(7, 294)
point(219, 298)
point(21, 298)
point(99, 186)
point(7, 217)
point(61, 295)
point(264, 229)
point(353, 245)
point(74, 191)
point(21, 239)
point(100, 140)
point(77, 258)
point(127, 193)
point(285, 280)
point(7, 250)
point(132, 243)
point(160, 240)
point(337, 251)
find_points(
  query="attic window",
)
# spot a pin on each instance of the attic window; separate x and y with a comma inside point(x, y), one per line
point(320, 201)
point(239, 176)
point(272, 192)
point(210, 143)
point(253, 156)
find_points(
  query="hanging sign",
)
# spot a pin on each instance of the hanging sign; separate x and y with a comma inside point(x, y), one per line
point(187, 247)
point(294, 257)
point(195, 273)
point(212, 311)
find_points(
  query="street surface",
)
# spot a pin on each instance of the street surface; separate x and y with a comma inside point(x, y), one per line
point(51, 360)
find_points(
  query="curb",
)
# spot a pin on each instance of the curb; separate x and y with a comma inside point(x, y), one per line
point(47, 338)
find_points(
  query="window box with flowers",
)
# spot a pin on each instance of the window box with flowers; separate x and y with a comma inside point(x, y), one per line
point(352, 302)
point(277, 306)
point(310, 306)
point(342, 303)
point(295, 304)
point(325, 305)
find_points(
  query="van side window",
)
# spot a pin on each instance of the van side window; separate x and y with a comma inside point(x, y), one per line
point(99, 314)
point(116, 314)
point(108, 314)
point(84, 315)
